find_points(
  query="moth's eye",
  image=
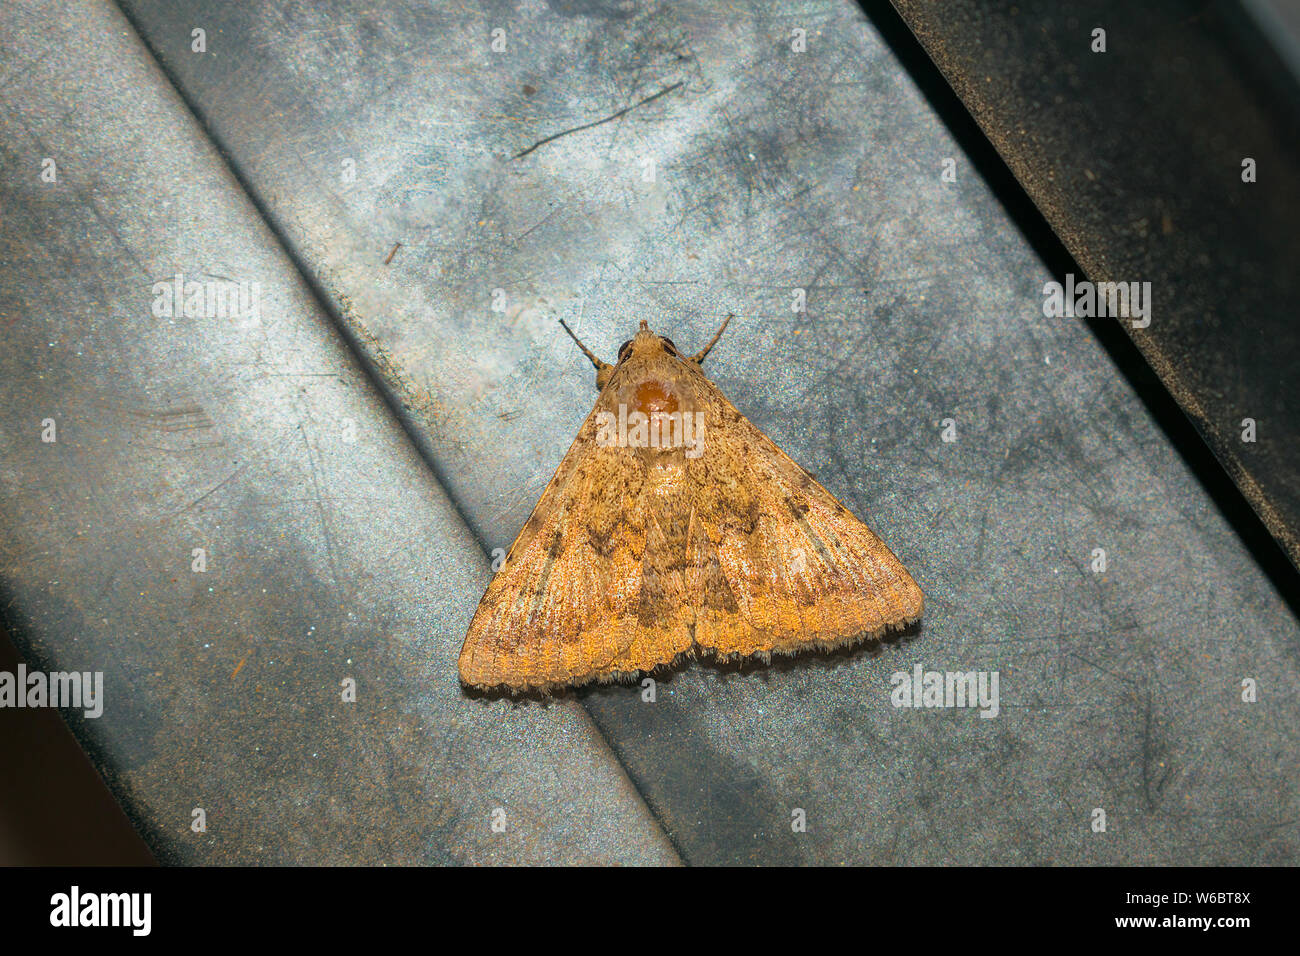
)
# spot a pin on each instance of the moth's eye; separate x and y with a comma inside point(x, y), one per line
point(669, 343)
point(624, 350)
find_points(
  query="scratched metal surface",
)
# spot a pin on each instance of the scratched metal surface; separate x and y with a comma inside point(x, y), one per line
point(774, 171)
point(332, 550)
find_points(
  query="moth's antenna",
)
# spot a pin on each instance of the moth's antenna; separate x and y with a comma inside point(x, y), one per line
point(705, 351)
point(600, 366)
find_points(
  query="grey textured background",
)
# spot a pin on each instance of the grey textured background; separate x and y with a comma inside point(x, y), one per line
point(773, 170)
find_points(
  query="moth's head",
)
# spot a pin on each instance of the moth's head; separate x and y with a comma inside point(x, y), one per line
point(645, 345)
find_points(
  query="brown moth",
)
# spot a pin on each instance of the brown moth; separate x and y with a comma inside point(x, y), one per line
point(675, 528)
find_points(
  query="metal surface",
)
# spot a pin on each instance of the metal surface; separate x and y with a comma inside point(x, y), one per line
point(775, 170)
point(331, 552)
point(1134, 156)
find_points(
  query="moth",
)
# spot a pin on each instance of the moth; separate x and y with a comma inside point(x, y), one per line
point(674, 528)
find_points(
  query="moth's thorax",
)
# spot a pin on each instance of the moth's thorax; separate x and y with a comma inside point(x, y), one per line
point(652, 395)
point(654, 385)
point(651, 409)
